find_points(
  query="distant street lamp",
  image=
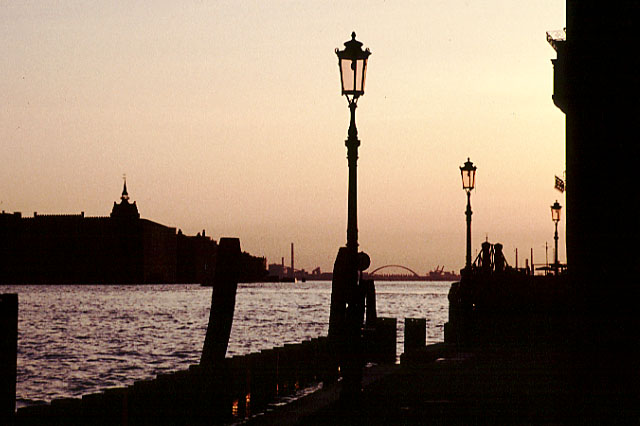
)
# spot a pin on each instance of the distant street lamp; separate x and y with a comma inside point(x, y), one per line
point(556, 208)
point(468, 172)
point(352, 62)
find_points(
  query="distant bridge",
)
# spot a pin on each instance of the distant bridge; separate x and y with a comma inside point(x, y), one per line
point(394, 266)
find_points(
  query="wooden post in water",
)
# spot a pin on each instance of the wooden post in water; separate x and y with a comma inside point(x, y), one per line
point(223, 301)
point(415, 334)
point(369, 290)
point(8, 356)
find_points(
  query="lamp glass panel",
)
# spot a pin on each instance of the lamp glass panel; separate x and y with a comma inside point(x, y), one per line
point(467, 179)
point(361, 69)
point(347, 72)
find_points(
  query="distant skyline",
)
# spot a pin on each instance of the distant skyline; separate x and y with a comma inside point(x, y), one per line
point(227, 116)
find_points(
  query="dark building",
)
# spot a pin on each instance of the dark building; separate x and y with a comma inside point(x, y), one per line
point(253, 268)
point(597, 86)
point(120, 249)
point(195, 258)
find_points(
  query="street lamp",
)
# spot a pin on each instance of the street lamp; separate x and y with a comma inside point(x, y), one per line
point(347, 297)
point(556, 208)
point(468, 172)
point(352, 62)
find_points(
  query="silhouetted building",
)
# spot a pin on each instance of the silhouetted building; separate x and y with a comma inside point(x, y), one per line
point(121, 248)
point(253, 268)
point(195, 258)
point(597, 86)
point(277, 271)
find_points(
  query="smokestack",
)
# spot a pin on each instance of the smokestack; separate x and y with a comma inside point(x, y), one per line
point(293, 271)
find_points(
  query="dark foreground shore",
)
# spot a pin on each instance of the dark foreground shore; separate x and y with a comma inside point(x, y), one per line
point(492, 387)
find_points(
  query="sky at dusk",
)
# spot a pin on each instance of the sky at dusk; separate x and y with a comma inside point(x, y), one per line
point(227, 116)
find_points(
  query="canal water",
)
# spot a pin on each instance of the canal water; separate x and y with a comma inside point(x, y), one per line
point(74, 340)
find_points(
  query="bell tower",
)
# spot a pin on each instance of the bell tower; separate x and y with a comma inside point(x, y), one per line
point(125, 209)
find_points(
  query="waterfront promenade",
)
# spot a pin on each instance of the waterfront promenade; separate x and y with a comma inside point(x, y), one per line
point(461, 389)
point(506, 386)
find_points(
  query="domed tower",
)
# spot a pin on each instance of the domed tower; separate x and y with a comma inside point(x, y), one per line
point(125, 209)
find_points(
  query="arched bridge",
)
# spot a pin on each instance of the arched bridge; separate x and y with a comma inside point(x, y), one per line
point(394, 266)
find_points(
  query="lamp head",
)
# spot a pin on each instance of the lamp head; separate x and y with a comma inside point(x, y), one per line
point(556, 208)
point(468, 172)
point(352, 62)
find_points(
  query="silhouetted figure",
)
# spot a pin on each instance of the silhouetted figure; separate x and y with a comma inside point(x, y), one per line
point(486, 258)
point(499, 261)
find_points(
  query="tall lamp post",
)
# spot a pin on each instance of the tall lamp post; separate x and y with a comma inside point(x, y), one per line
point(347, 296)
point(352, 62)
point(468, 172)
point(556, 208)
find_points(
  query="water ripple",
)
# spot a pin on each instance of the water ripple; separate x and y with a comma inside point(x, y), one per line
point(75, 340)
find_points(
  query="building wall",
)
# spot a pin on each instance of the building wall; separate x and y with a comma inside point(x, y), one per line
point(597, 86)
point(158, 252)
point(61, 249)
point(196, 256)
point(121, 249)
point(253, 269)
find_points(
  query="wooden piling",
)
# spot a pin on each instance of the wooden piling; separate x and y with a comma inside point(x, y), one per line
point(223, 300)
point(386, 331)
point(415, 334)
point(8, 356)
point(369, 290)
point(233, 390)
point(64, 411)
point(93, 409)
point(269, 361)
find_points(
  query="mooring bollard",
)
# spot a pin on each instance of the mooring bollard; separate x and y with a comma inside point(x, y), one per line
point(308, 363)
point(223, 301)
point(115, 402)
point(34, 415)
point(386, 331)
point(93, 409)
point(64, 411)
point(270, 373)
point(415, 334)
point(8, 356)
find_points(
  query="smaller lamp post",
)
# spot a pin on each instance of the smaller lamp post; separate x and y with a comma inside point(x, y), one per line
point(468, 172)
point(556, 208)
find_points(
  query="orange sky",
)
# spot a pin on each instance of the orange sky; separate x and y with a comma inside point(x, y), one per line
point(227, 116)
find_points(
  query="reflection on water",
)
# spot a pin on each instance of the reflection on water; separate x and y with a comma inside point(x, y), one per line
point(75, 340)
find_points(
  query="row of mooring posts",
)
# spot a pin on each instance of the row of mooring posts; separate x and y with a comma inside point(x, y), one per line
point(219, 389)
point(234, 390)
point(237, 388)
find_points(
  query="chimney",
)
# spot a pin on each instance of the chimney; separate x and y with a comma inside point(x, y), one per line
point(293, 271)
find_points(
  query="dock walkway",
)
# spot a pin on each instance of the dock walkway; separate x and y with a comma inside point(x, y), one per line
point(502, 386)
